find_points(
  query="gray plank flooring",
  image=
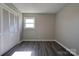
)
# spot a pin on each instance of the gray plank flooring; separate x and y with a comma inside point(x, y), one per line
point(40, 48)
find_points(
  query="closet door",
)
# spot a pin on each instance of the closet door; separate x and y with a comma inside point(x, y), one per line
point(17, 27)
point(15, 24)
point(5, 21)
point(11, 27)
point(16, 31)
point(0, 21)
point(5, 30)
point(11, 23)
point(0, 31)
point(17, 21)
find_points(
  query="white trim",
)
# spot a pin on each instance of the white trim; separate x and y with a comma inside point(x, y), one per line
point(7, 8)
point(66, 48)
point(38, 40)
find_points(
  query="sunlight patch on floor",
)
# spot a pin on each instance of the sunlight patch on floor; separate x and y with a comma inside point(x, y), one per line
point(22, 53)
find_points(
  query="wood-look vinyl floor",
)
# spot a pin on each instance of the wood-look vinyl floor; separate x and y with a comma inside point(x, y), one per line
point(39, 48)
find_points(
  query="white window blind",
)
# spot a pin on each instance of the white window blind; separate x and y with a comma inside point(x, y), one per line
point(29, 22)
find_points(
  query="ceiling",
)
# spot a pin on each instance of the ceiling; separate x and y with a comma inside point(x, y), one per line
point(39, 7)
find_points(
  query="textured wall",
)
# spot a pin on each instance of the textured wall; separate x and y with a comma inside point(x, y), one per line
point(67, 26)
point(44, 27)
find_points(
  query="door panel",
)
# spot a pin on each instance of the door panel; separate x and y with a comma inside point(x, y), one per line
point(5, 39)
point(0, 31)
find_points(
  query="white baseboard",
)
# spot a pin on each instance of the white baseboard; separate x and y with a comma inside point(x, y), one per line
point(38, 40)
point(66, 48)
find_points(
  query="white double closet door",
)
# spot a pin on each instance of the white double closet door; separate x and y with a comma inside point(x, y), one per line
point(9, 25)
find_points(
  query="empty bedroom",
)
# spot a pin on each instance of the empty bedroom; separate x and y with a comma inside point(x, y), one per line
point(39, 29)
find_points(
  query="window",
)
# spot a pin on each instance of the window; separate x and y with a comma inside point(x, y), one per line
point(29, 23)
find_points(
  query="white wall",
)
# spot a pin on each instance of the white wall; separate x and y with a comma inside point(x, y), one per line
point(67, 26)
point(10, 28)
point(44, 27)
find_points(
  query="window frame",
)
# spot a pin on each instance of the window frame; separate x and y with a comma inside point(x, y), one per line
point(25, 24)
